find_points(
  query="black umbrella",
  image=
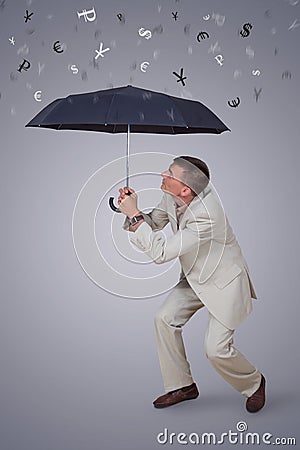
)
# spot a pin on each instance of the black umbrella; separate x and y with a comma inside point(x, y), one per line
point(128, 109)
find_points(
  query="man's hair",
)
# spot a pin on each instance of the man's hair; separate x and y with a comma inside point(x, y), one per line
point(195, 173)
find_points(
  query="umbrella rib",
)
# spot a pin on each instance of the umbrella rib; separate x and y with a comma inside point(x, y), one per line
point(109, 107)
point(180, 114)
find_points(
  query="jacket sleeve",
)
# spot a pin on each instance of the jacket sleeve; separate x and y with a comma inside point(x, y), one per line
point(157, 218)
point(162, 249)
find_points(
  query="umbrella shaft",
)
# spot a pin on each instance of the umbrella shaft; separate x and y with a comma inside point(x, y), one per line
point(127, 156)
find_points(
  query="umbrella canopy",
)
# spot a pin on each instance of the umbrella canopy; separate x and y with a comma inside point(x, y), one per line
point(112, 110)
point(128, 109)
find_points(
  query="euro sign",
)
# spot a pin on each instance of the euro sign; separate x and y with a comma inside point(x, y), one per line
point(202, 35)
point(57, 47)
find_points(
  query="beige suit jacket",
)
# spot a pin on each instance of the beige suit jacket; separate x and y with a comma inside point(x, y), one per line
point(209, 254)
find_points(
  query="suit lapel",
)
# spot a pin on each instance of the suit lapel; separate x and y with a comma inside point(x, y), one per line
point(171, 210)
point(195, 203)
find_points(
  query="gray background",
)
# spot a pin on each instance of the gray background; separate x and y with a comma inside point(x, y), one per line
point(79, 368)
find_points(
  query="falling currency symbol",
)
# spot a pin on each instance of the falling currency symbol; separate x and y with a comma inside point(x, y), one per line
point(219, 59)
point(74, 68)
point(147, 95)
point(257, 94)
point(219, 19)
point(246, 30)
point(25, 65)
point(84, 75)
point(37, 96)
point(57, 47)
point(202, 35)
point(250, 52)
point(13, 76)
point(286, 74)
point(156, 54)
point(187, 29)
point(86, 13)
point(144, 66)
point(24, 50)
point(267, 14)
point(145, 33)
point(234, 103)
point(256, 72)
point(237, 73)
point(121, 18)
point(158, 29)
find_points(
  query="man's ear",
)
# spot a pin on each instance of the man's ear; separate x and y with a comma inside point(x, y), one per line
point(186, 190)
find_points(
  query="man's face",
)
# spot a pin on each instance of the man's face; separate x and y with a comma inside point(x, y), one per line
point(171, 180)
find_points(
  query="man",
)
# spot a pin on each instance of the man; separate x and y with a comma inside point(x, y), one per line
point(214, 274)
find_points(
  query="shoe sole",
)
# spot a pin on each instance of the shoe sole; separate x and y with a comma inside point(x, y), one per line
point(160, 406)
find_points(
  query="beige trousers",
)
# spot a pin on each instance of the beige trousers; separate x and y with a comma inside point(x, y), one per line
point(178, 308)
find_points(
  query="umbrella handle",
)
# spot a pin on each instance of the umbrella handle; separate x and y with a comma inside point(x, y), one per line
point(111, 203)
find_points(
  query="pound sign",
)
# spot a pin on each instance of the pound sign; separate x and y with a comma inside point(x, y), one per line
point(22, 66)
point(85, 13)
point(219, 59)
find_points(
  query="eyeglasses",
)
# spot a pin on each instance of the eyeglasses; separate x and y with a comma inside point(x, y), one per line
point(168, 173)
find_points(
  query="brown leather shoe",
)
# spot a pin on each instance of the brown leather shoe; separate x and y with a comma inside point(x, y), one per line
point(257, 400)
point(179, 395)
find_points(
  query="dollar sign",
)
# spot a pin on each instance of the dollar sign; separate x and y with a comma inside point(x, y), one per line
point(246, 27)
point(145, 33)
point(256, 72)
point(74, 69)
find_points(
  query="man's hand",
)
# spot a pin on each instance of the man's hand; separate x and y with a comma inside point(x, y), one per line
point(128, 203)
